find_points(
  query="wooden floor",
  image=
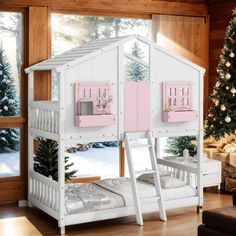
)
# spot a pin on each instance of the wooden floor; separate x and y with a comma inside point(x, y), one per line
point(16, 221)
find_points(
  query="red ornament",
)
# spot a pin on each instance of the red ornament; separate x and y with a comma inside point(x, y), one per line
point(232, 40)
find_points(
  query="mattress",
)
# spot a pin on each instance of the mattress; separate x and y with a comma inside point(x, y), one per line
point(80, 198)
point(113, 193)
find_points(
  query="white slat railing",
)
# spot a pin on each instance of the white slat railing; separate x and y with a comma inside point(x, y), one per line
point(45, 191)
point(44, 116)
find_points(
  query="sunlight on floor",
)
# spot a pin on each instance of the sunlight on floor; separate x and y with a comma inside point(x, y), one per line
point(19, 226)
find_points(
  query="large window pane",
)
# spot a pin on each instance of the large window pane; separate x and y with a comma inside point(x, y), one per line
point(69, 31)
point(10, 62)
point(9, 152)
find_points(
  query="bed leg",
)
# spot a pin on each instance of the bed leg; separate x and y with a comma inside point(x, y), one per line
point(62, 230)
point(199, 209)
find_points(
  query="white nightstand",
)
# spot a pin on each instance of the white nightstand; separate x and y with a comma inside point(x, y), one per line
point(211, 170)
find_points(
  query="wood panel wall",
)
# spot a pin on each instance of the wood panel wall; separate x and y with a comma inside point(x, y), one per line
point(187, 37)
point(184, 7)
point(220, 15)
point(40, 48)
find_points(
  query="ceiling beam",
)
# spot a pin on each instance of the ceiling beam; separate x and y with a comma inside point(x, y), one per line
point(121, 6)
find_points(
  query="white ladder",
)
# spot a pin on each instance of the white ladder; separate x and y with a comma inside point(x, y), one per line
point(129, 137)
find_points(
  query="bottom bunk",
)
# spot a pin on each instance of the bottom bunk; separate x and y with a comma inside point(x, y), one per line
point(108, 198)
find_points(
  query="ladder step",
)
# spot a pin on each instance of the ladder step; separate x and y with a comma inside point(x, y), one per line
point(140, 145)
point(145, 172)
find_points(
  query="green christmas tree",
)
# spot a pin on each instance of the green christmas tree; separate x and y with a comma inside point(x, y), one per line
point(9, 138)
point(176, 145)
point(135, 71)
point(221, 118)
point(46, 160)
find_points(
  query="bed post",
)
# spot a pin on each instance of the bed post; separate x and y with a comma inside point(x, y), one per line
point(30, 137)
point(200, 143)
point(61, 154)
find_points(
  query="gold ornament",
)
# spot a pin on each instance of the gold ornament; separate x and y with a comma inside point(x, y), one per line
point(227, 119)
point(227, 76)
point(233, 90)
point(222, 107)
point(231, 55)
point(227, 64)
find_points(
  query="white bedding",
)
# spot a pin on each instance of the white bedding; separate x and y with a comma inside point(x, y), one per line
point(113, 193)
point(122, 186)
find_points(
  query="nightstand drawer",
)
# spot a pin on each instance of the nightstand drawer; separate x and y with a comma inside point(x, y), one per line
point(210, 179)
point(211, 167)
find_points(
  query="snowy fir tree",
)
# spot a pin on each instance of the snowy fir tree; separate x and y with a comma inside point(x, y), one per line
point(176, 145)
point(9, 138)
point(221, 117)
point(135, 71)
point(46, 160)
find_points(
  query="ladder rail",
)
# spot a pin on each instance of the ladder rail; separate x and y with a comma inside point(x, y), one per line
point(157, 181)
point(152, 155)
point(139, 217)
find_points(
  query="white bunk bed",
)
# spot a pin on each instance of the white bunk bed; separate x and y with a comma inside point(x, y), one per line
point(55, 120)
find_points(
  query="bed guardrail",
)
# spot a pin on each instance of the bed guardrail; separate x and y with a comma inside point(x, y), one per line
point(44, 117)
point(44, 192)
point(185, 172)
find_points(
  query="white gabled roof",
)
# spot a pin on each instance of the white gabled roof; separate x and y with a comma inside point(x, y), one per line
point(96, 47)
point(78, 52)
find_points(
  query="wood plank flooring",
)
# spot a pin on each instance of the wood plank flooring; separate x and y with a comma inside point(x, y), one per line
point(16, 221)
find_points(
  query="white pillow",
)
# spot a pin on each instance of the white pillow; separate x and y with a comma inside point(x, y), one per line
point(171, 182)
point(149, 177)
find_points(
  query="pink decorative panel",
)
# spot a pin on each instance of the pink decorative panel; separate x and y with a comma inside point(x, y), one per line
point(137, 106)
point(179, 116)
point(177, 96)
point(95, 120)
point(93, 104)
point(131, 108)
point(177, 102)
point(143, 106)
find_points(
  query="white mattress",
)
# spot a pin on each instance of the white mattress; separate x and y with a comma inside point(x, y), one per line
point(122, 187)
point(112, 193)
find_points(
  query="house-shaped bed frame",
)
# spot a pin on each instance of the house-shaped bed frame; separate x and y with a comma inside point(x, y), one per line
point(169, 103)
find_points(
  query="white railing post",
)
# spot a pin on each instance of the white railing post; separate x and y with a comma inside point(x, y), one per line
point(30, 137)
point(61, 154)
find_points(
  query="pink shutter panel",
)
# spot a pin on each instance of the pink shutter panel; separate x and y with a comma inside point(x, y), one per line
point(130, 106)
point(143, 105)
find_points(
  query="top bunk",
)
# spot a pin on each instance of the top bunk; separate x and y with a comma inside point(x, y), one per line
point(108, 90)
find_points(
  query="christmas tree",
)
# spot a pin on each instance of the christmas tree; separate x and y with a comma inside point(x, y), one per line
point(9, 138)
point(135, 71)
point(176, 145)
point(46, 160)
point(221, 118)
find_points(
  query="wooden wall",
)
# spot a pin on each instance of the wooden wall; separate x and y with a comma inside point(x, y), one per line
point(220, 15)
point(187, 36)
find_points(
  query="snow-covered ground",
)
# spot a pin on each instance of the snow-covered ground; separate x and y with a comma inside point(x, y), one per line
point(96, 161)
point(9, 164)
point(104, 162)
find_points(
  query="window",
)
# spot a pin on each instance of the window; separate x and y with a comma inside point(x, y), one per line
point(69, 31)
point(11, 29)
